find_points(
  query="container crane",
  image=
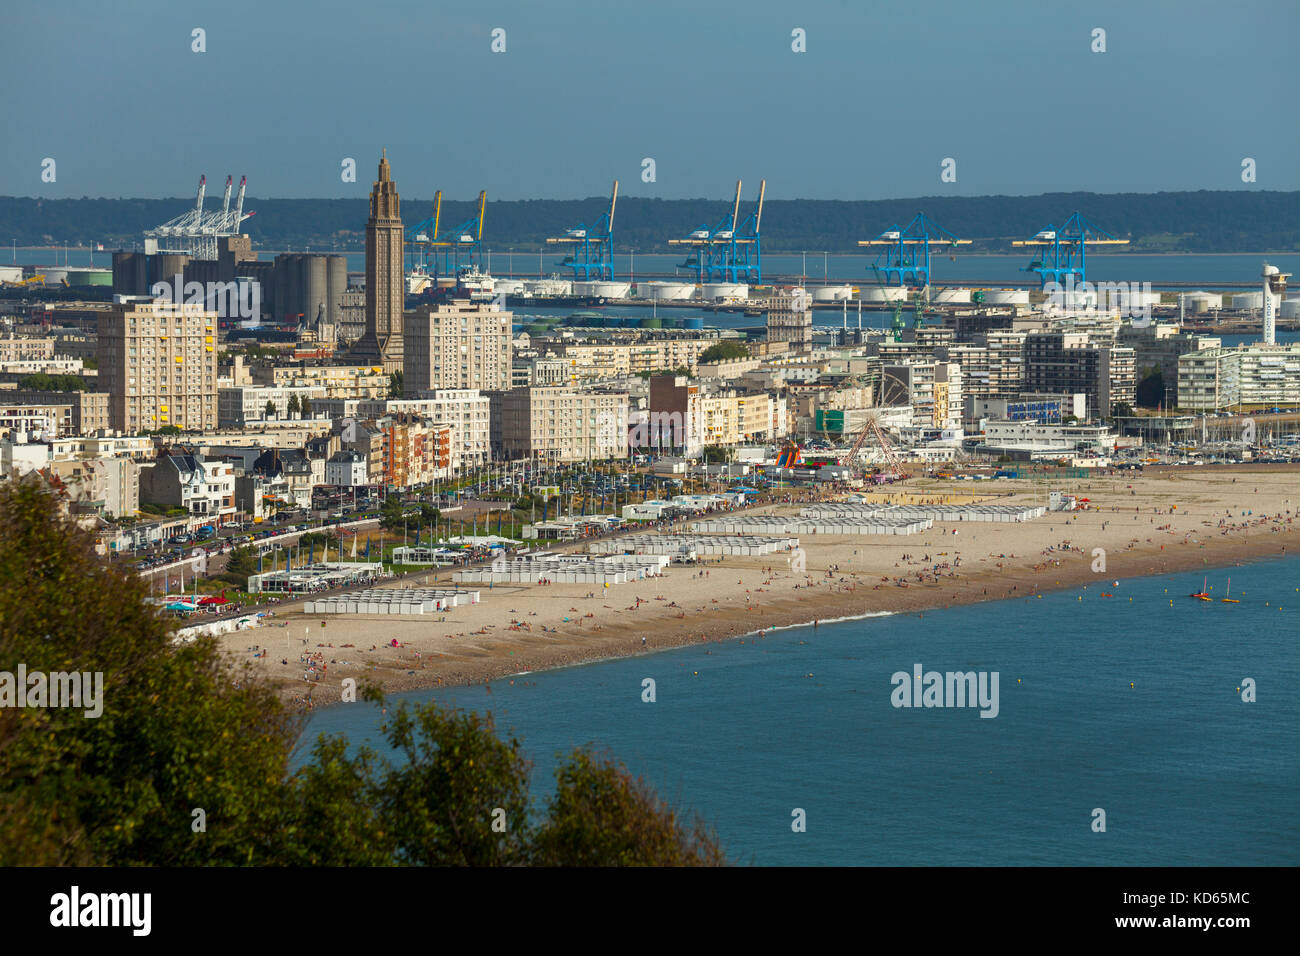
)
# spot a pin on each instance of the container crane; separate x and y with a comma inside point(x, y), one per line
point(897, 261)
point(591, 251)
point(732, 250)
point(458, 248)
point(1063, 252)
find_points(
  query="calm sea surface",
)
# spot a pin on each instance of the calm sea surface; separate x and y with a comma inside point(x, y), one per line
point(1127, 703)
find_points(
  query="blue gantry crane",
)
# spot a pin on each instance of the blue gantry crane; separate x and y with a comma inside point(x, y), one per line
point(454, 251)
point(591, 250)
point(1063, 252)
point(732, 251)
point(904, 252)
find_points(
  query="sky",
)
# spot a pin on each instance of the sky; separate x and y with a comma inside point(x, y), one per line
point(585, 91)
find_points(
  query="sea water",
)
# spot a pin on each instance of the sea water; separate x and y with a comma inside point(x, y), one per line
point(1130, 704)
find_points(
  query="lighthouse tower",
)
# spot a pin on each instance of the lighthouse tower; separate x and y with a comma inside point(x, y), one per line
point(1274, 287)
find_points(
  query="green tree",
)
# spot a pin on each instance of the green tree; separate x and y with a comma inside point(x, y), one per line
point(294, 406)
point(724, 350)
point(1151, 388)
point(395, 384)
point(270, 409)
point(239, 566)
point(176, 733)
point(717, 453)
point(305, 407)
point(429, 515)
point(180, 737)
point(392, 516)
point(601, 816)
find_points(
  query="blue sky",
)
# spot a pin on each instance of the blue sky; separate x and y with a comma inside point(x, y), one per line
point(711, 90)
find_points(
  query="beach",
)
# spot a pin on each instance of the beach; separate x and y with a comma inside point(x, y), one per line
point(1159, 521)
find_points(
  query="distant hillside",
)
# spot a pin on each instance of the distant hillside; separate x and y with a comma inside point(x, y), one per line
point(1225, 221)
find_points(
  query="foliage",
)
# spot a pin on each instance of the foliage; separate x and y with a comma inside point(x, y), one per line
point(717, 453)
point(392, 516)
point(294, 406)
point(395, 384)
point(241, 563)
point(1121, 410)
point(40, 382)
point(183, 730)
point(429, 515)
point(1151, 389)
point(270, 409)
point(724, 350)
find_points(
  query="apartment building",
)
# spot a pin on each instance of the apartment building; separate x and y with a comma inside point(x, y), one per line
point(15, 348)
point(337, 381)
point(415, 450)
point(1243, 377)
point(789, 319)
point(993, 364)
point(1063, 362)
point(466, 410)
point(456, 345)
point(933, 389)
point(244, 404)
point(158, 365)
point(604, 360)
point(557, 423)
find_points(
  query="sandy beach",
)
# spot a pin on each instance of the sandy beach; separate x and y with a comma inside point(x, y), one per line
point(1160, 521)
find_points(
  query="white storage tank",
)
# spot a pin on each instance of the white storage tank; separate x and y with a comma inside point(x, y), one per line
point(11, 273)
point(1290, 309)
point(583, 288)
point(950, 296)
point(1006, 297)
point(53, 276)
point(832, 293)
point(665, 291)
point(1248, 300)
point(886, 293)
point(509, 286)
point(548, 287)
point(611, 290)
point(724, 292)
point(1202, 301)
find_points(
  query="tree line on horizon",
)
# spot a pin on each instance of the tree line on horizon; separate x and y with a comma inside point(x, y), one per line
point(1203, 221)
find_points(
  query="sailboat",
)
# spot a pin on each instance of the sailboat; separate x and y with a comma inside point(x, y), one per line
point(1204, 593)
point(1229, 600)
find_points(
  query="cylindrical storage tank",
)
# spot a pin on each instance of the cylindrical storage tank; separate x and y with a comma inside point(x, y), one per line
point(1006, 297)
point(167, 266)
point(652, 323)
point(85, 277)
point(336, 282)
point(697, 325)
point(280, 287)
point(583, 288)
point(15, 273)
point(665, 291)
point(509, 286)
point(945, 296)
point(315, 289)
point(611, 290)
point(832, 293)
point(1240, 300)
point(1290, 309)
point(54, 276)
point(724, 292)
point(1201, 301)
point(876, 293)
